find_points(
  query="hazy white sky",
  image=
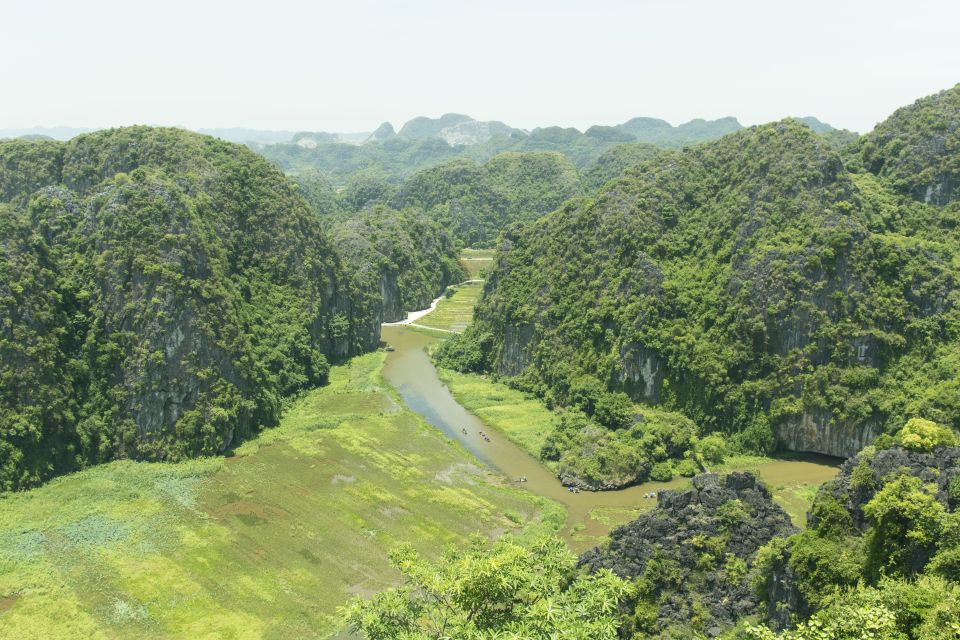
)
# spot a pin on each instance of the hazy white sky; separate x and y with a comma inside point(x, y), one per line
point(349, 65)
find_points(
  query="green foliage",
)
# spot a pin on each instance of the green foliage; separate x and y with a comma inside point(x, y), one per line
point(662, 471)
point(613, 163)
point(915, 149)
point(831, 519)
point(841, 622)
point(462, 354)
point(614, 410)
point(926, 609)
point(502, 590)
point(712, 448)
point(475, 202)
point(733, 514)
point(823, 564)
point(687, 468)
point(861, 478)
point(924, 435)
point(757, 438)
point(603, 457)
point(400, 259)
point(907, 523)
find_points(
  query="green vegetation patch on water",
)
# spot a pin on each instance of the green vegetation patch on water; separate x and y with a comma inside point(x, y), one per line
point(793, 479)
point(264, 544)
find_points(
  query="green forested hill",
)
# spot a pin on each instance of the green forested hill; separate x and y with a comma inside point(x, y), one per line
point(613, 162)
point(401, 260)
point(162, 292)
point(475, 202)
point(758, 284)
point(917, 149)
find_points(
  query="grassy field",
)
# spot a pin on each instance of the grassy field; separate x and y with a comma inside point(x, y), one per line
point(265, 544)
point(456, 312)
point(477, 261)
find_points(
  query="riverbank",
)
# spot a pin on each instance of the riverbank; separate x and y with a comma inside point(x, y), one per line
point(264, 544)
point(519, 424)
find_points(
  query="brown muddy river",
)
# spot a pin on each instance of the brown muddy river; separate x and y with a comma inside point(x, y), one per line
point(409, 369)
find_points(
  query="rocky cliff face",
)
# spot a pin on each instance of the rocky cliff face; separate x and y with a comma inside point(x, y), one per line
point(815, 431)
point(692, 552)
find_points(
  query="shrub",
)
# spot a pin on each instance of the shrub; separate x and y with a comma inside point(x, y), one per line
point(712, 449)
point(758, 437)
point(614, 410)
point(907, 522)
point(924, 435)
point(733, 514)
point(662, 471)
point(687, 468)
point(820, 564)
point(832, 520)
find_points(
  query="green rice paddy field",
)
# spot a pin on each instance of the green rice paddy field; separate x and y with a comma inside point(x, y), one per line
point(264, 544)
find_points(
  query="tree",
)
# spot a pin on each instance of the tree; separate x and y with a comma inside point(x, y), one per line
point(614, 410)
point(502, 590)
point(712, 449)
point(924, 435)
point(907, 522)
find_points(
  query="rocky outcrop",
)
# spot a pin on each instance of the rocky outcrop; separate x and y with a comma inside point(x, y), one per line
point(640, 373)
point(696, 546)
point(938, 468)
point(859, 480)
point(518, 345)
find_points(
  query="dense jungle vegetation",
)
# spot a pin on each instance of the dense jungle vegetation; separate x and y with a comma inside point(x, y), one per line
point(164, 292)
point(765, 286)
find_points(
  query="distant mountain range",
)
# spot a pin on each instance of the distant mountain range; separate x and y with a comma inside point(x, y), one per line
point(453, 128)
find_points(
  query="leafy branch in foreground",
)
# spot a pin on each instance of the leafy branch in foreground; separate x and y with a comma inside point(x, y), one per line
point(497, 590)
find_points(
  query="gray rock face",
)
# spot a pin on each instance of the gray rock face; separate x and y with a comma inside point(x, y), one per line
point(640, 373)
point(815, 431)
point(732, 516)
point(518, 345)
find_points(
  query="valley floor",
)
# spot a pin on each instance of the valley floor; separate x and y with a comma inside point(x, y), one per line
point(264, 544)
point(792, 478)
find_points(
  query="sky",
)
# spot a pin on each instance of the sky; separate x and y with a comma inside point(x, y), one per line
point(348, 66)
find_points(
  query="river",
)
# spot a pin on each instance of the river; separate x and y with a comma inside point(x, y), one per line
point(409, 369)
